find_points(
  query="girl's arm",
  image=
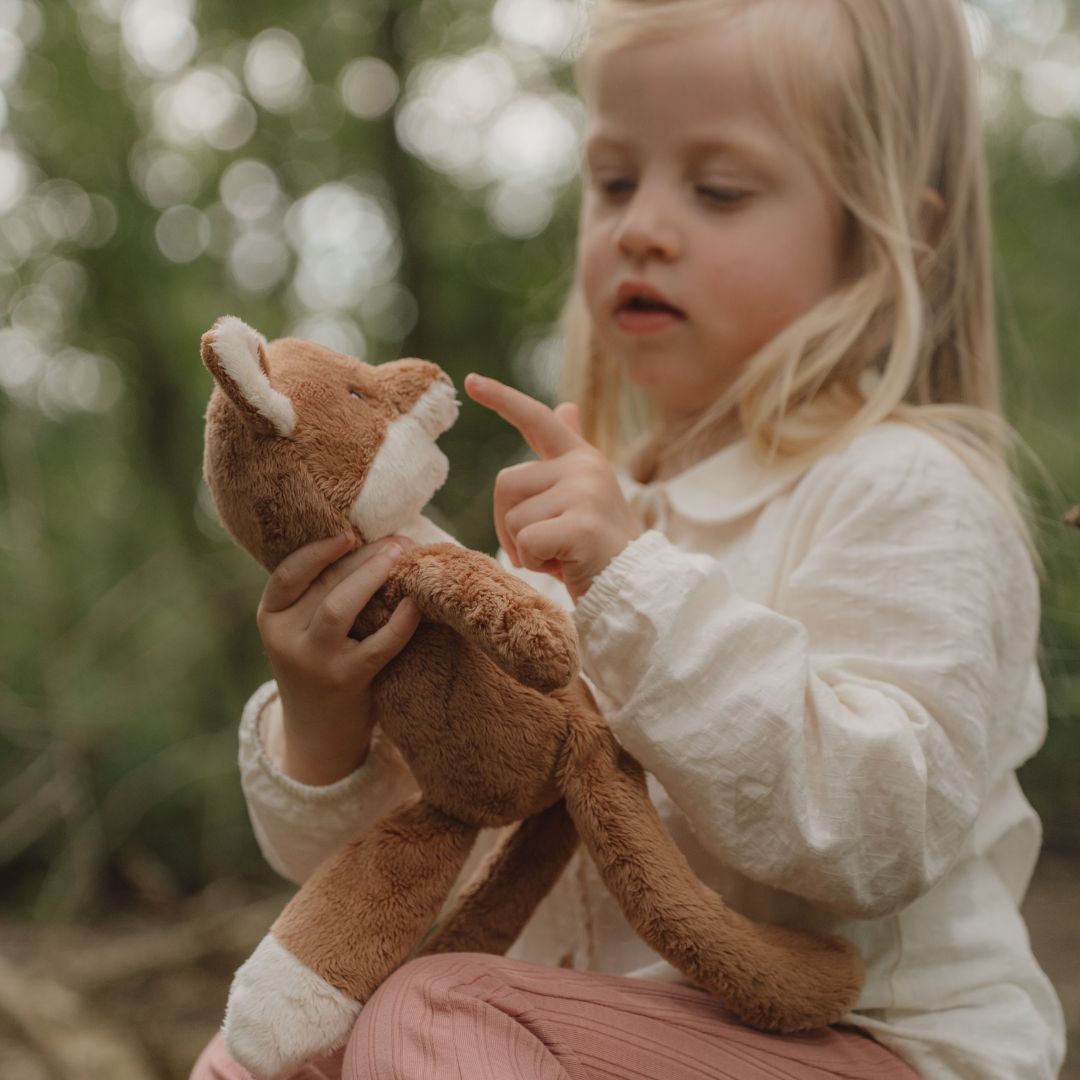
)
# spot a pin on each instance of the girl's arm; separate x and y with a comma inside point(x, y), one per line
point(299, 825)
point(312, 775)
point(834, 743)
point(324, 676)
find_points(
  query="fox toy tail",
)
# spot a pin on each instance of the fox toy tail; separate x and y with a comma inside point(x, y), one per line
point(773, 978)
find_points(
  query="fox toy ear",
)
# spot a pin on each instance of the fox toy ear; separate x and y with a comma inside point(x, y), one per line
point(233, 353)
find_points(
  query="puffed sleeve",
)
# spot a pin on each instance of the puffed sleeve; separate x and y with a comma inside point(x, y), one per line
point(836, 742)
point(299, 825)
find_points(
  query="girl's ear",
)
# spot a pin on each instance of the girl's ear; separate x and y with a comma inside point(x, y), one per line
point(235, 355)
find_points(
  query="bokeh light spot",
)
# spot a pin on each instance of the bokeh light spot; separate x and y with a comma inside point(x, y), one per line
point(368, 87)
point(257, 261)
point(13, 178)
point(166, 178)
point(554, 26)
point(249, 189)
point(11, 57)
point(336, 332)
point(1052, 88)
point(538, 366)
point(20, 358)
point(182, 233)
point(532, 139)
point(520, 210)
point(64, 208)
point(274, 70)
point(205, 104)
point(1051, 147)
point(345, 243)
point(159, 34)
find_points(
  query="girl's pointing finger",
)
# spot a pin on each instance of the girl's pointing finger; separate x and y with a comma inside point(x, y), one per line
point(547, 434)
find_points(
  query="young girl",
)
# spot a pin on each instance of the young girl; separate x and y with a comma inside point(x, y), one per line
point(806, 603)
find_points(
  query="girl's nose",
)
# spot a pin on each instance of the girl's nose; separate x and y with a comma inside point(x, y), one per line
point(647, 229)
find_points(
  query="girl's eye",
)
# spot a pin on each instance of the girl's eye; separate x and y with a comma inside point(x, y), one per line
point(720, 195)
point(354, 394)
point(617, 187)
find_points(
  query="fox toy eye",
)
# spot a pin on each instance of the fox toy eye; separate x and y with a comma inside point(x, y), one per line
point(356, 395)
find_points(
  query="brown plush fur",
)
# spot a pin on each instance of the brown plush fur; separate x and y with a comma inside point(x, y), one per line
point(364, 909)
point(491, 913)
point(484, 706)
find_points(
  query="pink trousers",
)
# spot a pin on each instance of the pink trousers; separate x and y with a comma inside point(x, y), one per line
point(467, 1016)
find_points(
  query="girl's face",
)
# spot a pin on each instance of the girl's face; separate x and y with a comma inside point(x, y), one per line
point(704, 230)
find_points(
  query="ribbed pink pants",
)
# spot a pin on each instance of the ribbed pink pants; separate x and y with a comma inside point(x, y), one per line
point(467, 1016)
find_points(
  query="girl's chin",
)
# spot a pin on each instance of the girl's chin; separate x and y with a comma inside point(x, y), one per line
point(676, 380)
point(675, 400)
point(671, 401)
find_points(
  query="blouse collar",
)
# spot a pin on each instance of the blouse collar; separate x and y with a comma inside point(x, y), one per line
point(723, 487)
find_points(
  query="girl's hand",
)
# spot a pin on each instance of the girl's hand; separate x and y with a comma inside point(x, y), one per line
point(324, 677)
point(565, 514)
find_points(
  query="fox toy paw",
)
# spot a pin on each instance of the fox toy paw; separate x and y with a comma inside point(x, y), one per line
point(281, 1014)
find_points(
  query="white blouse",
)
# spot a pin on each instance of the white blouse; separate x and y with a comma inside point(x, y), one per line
point(830, 675)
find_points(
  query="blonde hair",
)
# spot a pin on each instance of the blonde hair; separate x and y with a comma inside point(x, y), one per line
point(882, 96)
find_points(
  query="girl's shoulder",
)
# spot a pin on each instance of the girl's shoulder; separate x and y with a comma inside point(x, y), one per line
point(897, 476)
point(894, 448)
point(893, 463)
point(896, 459)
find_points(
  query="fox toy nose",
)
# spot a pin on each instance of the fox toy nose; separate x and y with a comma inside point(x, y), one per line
point(402, 383)
point(437, 408)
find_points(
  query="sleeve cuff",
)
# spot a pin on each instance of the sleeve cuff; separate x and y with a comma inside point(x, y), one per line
point(262, 776)
point(298, 825)
point(609, 584)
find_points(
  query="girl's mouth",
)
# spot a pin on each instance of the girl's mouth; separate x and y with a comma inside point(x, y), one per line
point(640, 308)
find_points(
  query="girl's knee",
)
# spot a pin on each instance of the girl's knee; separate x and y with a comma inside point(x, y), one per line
point(430, 1010)
point(433, 986)
point(433, 978)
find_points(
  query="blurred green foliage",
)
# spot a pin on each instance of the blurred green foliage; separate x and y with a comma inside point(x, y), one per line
point(127, 639)
point(1037, 222)
point(127, 642)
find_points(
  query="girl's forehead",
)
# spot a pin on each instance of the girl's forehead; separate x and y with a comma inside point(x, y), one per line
point(702, 89)
point(692, 73)
point(696, 59)
point(717, 48)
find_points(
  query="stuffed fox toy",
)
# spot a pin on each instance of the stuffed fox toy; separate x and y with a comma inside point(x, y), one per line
point(486, 708)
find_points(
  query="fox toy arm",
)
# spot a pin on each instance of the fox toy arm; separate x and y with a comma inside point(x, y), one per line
point(530, 637)
point(350, 925)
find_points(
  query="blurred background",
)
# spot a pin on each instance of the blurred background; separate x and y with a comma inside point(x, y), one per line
point(388, 177)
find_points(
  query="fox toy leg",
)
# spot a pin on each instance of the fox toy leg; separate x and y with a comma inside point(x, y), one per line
point(493, 910)
point(353, 922)
point(771, 977)
point(530, 637)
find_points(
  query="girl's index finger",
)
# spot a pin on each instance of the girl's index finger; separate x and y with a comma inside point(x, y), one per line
point(297, 571)
point(546, 433)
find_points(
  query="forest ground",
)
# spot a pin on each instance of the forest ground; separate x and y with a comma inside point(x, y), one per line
point(138, 996)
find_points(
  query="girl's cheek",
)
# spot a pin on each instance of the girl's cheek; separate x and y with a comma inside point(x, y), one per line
point(593, 272)
point(762, 284)
point(734, 284)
